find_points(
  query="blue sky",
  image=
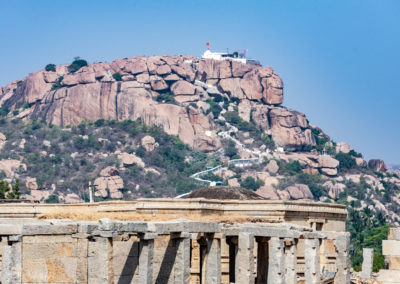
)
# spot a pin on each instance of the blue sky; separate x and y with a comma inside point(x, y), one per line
point(339, 59)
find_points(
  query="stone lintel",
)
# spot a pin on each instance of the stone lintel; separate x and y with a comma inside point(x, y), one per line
point(10, 229)
point(180, 235)
point(48, 229)
point(314, 235)
point(164, 228)
point(263, 232)
point(147, 236)
point(88, 228)
point(108, 234)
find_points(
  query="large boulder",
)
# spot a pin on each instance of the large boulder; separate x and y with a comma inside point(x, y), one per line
point(268, 192)
point(377, 165)
point(290, 129)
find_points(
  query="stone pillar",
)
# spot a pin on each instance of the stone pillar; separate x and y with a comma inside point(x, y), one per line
point(245, 260)
point(82, 266)
point(146, 253)
point(104, 260)
point(11, 266)
point(182, 260)
point(276, 273)
point(368, 261)
point(213, 261)
point(311, 256)
point(342, 244)
point(290, 261)
point(262, 260)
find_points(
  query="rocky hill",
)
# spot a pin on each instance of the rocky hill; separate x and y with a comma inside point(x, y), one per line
point(150, 126)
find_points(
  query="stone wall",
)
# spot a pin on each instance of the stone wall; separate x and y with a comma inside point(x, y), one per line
point(178, 251)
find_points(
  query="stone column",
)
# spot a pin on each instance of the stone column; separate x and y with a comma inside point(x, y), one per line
point(342, 244)
point(276, 273)
point(213, 261)
point(11, 266)
point(245, 259)
point(368, 261)
point(262, 260)
point(290, 261)
point(182, 260)
point(146, 253)
point(82, 266)
point(104, 260)
point(311, 256)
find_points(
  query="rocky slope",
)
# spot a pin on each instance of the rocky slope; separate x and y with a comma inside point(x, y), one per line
point(64, 98)
point(227, 109)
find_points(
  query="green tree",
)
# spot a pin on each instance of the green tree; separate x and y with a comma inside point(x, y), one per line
point(9, 192)
point(50, 67)
point(76, 65)
point(346, 161)
point(230, 150)
point(292, 168)
point(251, 183)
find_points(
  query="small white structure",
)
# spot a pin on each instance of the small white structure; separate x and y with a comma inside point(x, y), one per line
point(228, 56)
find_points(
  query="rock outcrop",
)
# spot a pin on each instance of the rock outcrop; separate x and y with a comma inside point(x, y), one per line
point(377, 165)
point(92, 93)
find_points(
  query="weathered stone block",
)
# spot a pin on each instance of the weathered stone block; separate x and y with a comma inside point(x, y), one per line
point(368, 260)
point(391, 247)
point(394, 262)
point(37, 229)
point(389, 276)
point(394, 234)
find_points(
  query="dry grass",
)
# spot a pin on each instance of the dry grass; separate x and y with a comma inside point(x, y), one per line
point(90, 215)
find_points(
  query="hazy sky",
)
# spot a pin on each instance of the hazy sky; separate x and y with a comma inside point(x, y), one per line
point(339, 59)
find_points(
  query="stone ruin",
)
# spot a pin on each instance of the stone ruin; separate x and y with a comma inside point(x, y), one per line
point(391, 252)
point(164, 252)
point(177, 251)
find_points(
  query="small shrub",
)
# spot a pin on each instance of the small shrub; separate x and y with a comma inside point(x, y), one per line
point(15, 112)
point(52, 199)
point(76, 65)
point(268, 141)
point(20, 83)
point(251, 183)
point(230, 150)
point(166, 98)
point(50, 67)
point(346, 161)
point(292, 168)
point(57, 84)
point(4, 111)
point(117, 76)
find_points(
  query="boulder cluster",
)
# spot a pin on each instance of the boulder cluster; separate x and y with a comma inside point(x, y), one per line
point(139, 87)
